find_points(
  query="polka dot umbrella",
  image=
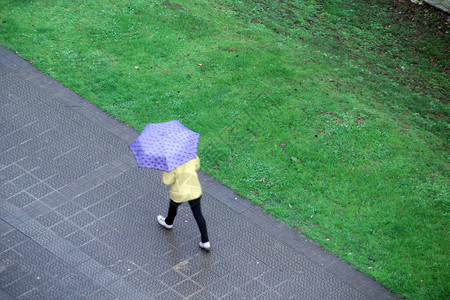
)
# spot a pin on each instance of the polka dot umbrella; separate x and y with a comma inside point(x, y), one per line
point(165, 146)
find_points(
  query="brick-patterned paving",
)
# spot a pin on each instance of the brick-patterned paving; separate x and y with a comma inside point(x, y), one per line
point(78, 218)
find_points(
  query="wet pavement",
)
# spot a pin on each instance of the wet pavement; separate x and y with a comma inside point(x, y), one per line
point(78, 218)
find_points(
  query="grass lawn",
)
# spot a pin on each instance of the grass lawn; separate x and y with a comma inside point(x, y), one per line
point(332, 115)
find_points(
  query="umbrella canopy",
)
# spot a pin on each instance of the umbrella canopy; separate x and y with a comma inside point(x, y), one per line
point(165, 146)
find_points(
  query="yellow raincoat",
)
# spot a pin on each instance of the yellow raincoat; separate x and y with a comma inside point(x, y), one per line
point(183, 181)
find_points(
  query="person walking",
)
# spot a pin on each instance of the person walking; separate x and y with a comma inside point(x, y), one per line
point(185, 187)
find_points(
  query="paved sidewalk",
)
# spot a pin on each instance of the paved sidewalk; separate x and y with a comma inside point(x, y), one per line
point(78, 218)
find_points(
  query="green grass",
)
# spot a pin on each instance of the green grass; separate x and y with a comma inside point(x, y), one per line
point(332, 115)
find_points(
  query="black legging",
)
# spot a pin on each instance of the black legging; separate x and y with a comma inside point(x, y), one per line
point(196, 211)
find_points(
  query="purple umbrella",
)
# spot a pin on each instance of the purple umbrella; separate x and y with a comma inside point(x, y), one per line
point(165, 146)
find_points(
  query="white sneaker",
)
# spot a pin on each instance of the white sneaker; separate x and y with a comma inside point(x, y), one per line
point(162, 222)
point(205, 246)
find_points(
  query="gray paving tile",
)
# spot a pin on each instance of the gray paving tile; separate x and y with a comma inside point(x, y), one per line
point(203, 294)
point(36, 256)
point(8, 190)
point(36, 278)
point(68, 209)
point(221, 289)
point(120, 288)
point(145, 283)
point(171, 277)
point(101, 294)
point(35, 294)
point(98, 227)
point(82, 218)
point(64, 228)
point(10, 141)
point(74, 258)
point(18, 288)
point(21, 215)
point(40, 190)
point(256, 268)
point(43, 171)
point(187, 288)
point(54, 199)
point(156, 266)
point(11, 220)
point(169, 295)
point(10, 275)
point(123, 267)
point(79, 238)
point(21, 200)
point(25, 181)
point(205, 277)
point(5, 227)
point(50, 218)
point(12, 238)
point(237, 278)
point(191, 266)
point(273, 278)
point(104, 207)
point(269, 295)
